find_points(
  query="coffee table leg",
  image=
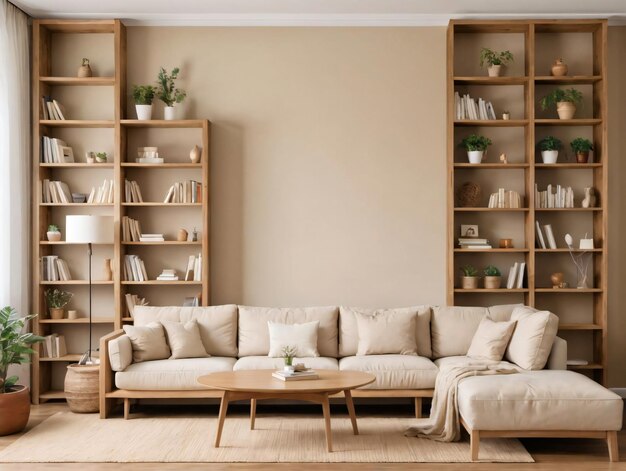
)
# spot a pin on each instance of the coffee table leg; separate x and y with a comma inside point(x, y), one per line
point(326, 409)
point(252, 413)
point(351, 411)
point(222, 416)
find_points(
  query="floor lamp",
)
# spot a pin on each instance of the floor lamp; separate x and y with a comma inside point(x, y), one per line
point(89, 230)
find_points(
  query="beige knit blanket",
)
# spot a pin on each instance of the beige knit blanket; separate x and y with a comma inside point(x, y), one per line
point(443, 424)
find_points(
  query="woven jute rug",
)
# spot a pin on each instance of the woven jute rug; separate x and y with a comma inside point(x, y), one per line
point(67, 437)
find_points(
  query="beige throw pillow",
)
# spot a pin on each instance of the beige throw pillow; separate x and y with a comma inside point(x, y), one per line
point(532, 338)
point(490, 340)
point(184, 339)
point(120, 353)
point(386, 332)
point(148, 342)
point(301, 336)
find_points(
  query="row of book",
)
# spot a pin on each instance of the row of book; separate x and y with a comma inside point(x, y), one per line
point(53, 346)
point(505, 199)
point(103, 194)
point(131, 230)
point(517, 275)
point(189, 191)
point(554, 197)
point(134, 269)
point(55, 151)
point(194, 268)
point(52, 109)
point(168, 274)
point(545, 238)
point(53, 268)
point(474, 243)
point(132, 192)
point(467, 107)
point(55, 192)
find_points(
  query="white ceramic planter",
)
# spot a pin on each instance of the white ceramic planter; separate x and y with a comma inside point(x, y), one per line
point(475, 156)
point(144, 112)
point(494, 70)
point(549, 156)
point(169, 113)
point(53, 236)
point(565, 109)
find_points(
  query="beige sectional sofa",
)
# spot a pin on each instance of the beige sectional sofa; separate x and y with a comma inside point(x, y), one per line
point(550, 402)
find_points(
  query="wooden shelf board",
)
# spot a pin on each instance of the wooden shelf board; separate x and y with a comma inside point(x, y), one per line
point(568, 290)
point(167, 242)
point(68, 358)
point(568, 122)
point(82, 320)
point(568, 209)
point(86, 81)
point(492, 166)
point(482, 80)
point(581, 79)
point(52, 394)
point(495, 210)
point(87, 205)
point(166, 165)
point(493, 123)
point(158, 123)
point(161, 204)
point(580, 327)
point(487, 26)
point(596, 250)
point(569, 165)
point(77, 123)
point(590, 366)
point(77, 165)
point(76, 282)
point(498, 290)
point(78, 26)
point(494, 250)
point(128, 319)
point(159, 282)
point(62, 242)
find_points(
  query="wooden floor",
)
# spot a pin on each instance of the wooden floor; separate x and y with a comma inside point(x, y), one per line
point(549, 454)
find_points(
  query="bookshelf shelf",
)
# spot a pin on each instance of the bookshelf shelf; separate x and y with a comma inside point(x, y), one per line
point(165, 166)
point(597, 250)
point(590, 366)
point(580, 327)
point(490, 80)
point(78, 165)
point(568, 290)
point(569, 166)
point(485, 290)
point(86, 205)
point(82, 320)
point(155, 204)
point(493, 166)
point(62, 242)
point(166, 243)
point(70, 358)
point(577, 79)
point(82, 81)
point(568, 122)
point(492, 210)
point(78, 282)
point(158, 123)
point(77, 123)
point(164, 283)
point(490, 251)
point(565, 210)
point(493, 123)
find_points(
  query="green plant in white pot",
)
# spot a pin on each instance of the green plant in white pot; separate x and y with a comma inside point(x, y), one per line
point(495, 60)
point(469, 279)
point(475, 146)
point(493, 277)
point(15, 349)
point(143, 95)
point(564, 100)
point(168, 93)
point(57, 299)
point(550, 147)
point(53, 234)
point(289, 353)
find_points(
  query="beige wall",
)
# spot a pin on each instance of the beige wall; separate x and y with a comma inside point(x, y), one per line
point(328, 174)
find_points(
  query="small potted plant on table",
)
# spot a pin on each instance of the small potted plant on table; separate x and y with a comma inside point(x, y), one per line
point(57, 299)
point(168, 93)
point(475, 146)
point(470, 277)
point(15, 348)
point(493, 277)
point(565, 101)
point(143, 96)
point(494, 60)
point(550, 146)
point(53, 234)
point(581, 147)
point(289, 352)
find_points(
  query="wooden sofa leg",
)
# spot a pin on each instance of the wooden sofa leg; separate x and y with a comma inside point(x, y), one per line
point(611, 441)
point(418, 407)
point(126, 408)
point(474, 444)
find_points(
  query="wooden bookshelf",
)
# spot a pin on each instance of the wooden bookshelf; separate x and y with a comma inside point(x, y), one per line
point(535, 44)
point(109, 296)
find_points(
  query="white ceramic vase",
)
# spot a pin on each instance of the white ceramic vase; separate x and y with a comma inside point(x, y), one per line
point(144, 112)
point(169, 113)
point(549, 156)
point(475, 156)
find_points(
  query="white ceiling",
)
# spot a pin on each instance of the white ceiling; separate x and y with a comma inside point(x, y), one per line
point(319, 12)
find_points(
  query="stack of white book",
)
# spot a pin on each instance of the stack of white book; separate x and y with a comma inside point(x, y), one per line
point(55, 192)
point(554, 197)
point(184, 192)
point(102, 194)
point(168, 274)
point(131, 231)
point(194, 268)
point(295, 375)
point(151, 238)
point(53, 346)
point(547, 240)
point(505, 199)
point(52, 109)
point(132, 192)
point(468, 108)
point(52, 268)
point(55, 151)
point(474, 243)
point(133, 300)
point(134, 269)
point(516, 276)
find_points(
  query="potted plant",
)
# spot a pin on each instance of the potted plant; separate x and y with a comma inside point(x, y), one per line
point(470, 277)
point(143, 96)
point(101, 157)
point(476, 146)
point(581, 147)
point(565, 101)
point(15, 348)
point(53, 234)
point(167, 91)
point(493, 277)
point(550, 146)
point(289, 352)
point(494, 60)
point(57, 299)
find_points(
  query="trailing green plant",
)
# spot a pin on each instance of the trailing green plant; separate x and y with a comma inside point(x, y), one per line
point(166, 87)
point(491, 270)
point(57, 298)
point(289, 352)
point(53, 228)
point(491, 57)
point(143, 94)
point(475, 142)
point(559, 95)
point(15, 346)
point(550, 143)
point(581, 145)
point(469, 270)
point(101, 155)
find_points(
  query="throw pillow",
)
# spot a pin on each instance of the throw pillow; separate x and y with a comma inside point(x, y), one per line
point(532, 338)
point(386, 332)
point(120, 353)
point(148, 342)
point(490, 340)
point(301, 336)
point(184, 339)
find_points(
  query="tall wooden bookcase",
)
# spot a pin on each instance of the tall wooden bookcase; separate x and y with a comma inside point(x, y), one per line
point(58, 46)
point(535, 45)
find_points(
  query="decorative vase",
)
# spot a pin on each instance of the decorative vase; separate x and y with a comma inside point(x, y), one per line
point(506, 116)
point(182, 235)
point(90, 157)
point(494, 70)
point(144, 112)
point(169, 113)
point(549, 156)
point(582, 280)
point(53, 236)
point(14, 410)
point(57, 313)
point(475, 156)
point(195, 154)
point(582, 157)
point(469, 282)
point(565, 109)
point(589, 201)
point(81, 388)
point(559, 68)
point(556, 279)
point(84, 70)
point(493, 282)
point(107, 270)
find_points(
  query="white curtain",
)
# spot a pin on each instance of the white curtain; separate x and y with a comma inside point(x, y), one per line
point(15, 157)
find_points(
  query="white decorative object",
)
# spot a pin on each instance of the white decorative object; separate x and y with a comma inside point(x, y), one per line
point(586, 244)
point(589, 201)
point(169, 113)
point(144, 112)
point(549, 156)
point(475, 156)
point(581, 261)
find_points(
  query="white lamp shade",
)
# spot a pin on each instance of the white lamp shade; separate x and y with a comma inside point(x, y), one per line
point(89, 229)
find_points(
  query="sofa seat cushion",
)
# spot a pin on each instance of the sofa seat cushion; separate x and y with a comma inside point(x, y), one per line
point(394, 371)
point(538, 400)
point(463, 360)
point(268, 363)
point(171, 375)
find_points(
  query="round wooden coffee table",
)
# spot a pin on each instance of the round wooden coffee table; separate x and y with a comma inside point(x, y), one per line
point(259, 384)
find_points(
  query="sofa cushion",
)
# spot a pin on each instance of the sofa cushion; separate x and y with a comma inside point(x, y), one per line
point(394, 371)
point(348, 333)
point(463, 360)
point(490, 340)
point(532, 338)
point(148, 342)
point(453, 327)
point(386, 332)
point(217, 324)
point(254, 338)
point(120, 353)
point(538, 400)
point(184, 339)
point(171, 375)
point(302, 337)
point(269, 363)
point(502, 312)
